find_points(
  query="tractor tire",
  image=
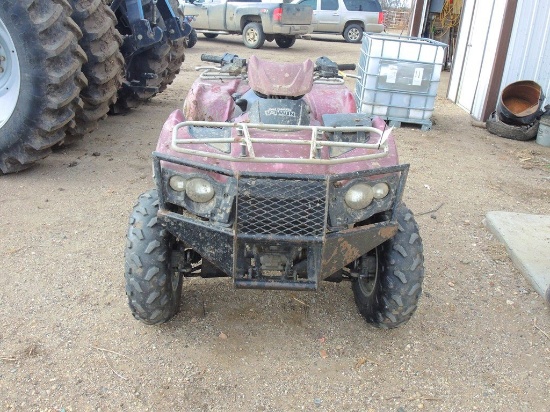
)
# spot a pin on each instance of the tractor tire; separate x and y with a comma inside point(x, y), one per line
point(192, 39)
point(253, 36)
point(152, 61)
point(390, 276)
point(177, 53)
point(153, 287)
point(353, 33)
point(40, 80)
point(105, 67)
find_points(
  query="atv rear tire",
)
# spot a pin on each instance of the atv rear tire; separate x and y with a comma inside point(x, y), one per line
point(153, 286)
point(41, 79)
point(390, 276)
point(105, 67)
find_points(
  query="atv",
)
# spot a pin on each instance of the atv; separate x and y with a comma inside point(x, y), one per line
point(270, 176)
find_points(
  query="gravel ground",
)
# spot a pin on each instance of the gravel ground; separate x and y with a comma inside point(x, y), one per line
point(480, 339)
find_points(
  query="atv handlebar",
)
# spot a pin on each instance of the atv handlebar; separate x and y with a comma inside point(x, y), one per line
point(224, 60)
point(348, 66)
point(211, 58)
point(324, 67)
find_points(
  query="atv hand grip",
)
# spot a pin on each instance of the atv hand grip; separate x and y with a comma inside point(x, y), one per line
point(349, 66)
point(211, 58)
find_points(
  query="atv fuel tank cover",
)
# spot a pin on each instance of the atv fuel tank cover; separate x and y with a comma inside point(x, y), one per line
point(279, 111)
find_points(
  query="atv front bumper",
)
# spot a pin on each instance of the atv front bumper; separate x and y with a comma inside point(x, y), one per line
point(281, 232)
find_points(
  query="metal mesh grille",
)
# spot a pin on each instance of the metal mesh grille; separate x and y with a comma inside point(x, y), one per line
point(281, 207)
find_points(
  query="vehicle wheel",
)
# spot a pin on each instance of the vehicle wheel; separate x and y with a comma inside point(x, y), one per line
point(284, 42)
point(40, 79)
point(495, 126)
point(192, 39)
point(353, 33)
point(390, 276)
point(210, 35)
point(253, 35)
point(147, 69)
point(153, 287)
point(177, 52)
point(105, 67)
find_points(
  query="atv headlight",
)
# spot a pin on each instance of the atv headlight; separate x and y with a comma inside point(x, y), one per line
point(177, 183)
point(380, 190)
point(359, 196)
point(199, 190)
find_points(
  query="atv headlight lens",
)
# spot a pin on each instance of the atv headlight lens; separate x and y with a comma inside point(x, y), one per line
point(380, 190)
point(199, 190)
point(177, 183)
point(359, 196)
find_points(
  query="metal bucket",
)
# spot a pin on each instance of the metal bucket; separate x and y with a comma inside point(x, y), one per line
point(520, 103)
point(543, 135)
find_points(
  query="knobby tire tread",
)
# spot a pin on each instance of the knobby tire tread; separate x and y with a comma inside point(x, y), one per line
point(402, 273)
point(148, 270)
point(104, 69)
point(46, 40)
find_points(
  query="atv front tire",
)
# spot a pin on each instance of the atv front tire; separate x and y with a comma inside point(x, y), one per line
point(390, 276)
point(40, 80)
point(153, 286)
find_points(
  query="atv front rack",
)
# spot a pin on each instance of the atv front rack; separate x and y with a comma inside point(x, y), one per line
point(318, 140)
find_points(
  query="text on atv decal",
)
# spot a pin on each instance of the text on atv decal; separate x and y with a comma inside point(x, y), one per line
point(278, 111)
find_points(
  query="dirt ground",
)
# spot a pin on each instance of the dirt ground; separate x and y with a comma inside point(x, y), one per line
point(480, 339)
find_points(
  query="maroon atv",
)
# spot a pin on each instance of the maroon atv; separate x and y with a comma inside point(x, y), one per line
point(271, 177)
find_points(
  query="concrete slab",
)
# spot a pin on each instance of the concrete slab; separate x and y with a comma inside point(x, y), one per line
point(527, 239)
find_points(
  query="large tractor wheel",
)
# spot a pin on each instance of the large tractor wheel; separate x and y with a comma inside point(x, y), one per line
point(147, 68)
point(390, 277)
point(105, 67)
point(177, 52)
point(153, 286)
point(40, 79)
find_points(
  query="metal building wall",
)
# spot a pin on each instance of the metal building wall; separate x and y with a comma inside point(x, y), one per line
point(529, 52)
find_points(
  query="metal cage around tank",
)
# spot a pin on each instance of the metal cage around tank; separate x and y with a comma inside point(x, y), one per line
point(398, 78)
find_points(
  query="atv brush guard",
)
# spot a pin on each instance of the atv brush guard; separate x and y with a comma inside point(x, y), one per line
point(241, 134)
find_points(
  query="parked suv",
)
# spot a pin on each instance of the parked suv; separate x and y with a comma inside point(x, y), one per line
point(350, 18)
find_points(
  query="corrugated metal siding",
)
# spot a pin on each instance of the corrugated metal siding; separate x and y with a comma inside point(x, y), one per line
point(529, 52)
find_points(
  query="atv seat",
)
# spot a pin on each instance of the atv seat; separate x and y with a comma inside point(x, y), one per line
point(280, 79)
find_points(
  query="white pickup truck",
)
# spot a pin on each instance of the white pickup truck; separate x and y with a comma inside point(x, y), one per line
point(256, 21)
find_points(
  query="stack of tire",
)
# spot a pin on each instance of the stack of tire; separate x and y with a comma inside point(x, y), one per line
point(518, 111)
point(62, 70)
